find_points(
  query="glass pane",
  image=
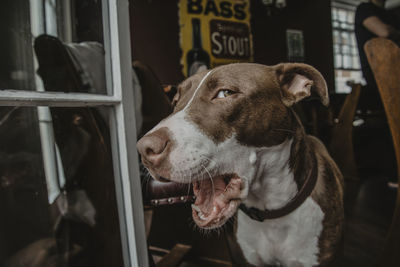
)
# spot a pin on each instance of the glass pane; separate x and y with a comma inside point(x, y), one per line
point(336, 37)
point(345, 49)
point(345, 38)
point(335, 24)
point(334, 13)
point(336, 49)
point(356, 62)
point(350, 27)
point(338, 61)
point(354, 51)
point(347, 62)
point(60, 40)
point(353, 40)
point(57, 202)
point(350, 17)
point(342, 15)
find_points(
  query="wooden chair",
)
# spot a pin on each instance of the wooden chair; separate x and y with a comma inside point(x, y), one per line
point(384, 58)
point(341, 145)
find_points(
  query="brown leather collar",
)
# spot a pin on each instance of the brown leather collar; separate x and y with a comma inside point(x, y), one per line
point(304, 192)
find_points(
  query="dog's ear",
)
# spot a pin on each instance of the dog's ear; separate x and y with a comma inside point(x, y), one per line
point(297, 80)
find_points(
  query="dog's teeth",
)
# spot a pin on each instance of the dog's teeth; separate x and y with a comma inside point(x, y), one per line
point(199, 213)
point(196, 208)
point(201, 216)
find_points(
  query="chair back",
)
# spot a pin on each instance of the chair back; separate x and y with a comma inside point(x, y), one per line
point(341, 145)
point(384, 58)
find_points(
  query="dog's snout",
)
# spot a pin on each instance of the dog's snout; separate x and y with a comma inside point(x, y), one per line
point(153, 147)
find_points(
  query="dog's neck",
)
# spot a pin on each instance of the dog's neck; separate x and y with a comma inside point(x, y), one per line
point(281, 171)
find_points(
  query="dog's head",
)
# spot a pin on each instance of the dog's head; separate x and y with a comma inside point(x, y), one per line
point(220, 120)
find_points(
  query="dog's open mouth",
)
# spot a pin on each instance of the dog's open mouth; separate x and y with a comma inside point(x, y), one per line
point(216, 200)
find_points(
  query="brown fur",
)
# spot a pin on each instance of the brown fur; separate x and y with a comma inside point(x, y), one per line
point(330, 198)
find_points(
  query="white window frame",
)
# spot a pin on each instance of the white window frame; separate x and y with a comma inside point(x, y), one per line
point(122, 125)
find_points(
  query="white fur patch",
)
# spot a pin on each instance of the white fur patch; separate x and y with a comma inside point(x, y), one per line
point(273, 184)
point(290, 241)
point(252, 158)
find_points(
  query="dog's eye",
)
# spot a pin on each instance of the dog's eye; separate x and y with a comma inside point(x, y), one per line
point(224, 93)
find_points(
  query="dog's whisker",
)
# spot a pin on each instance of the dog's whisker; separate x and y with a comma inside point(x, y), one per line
point(201, 184)
point(212, 182)
point(179, 177)
point(188, 191)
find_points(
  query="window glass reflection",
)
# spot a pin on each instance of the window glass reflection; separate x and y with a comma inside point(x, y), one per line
point(77, 27)
point(68, 218)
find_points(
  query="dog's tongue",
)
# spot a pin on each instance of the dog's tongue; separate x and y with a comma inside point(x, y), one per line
point(206, 192)
point(212, 196)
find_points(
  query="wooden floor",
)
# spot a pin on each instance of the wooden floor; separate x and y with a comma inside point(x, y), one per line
point(369, 209)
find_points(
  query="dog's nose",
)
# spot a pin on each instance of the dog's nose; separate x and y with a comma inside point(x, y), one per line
point(153, 147)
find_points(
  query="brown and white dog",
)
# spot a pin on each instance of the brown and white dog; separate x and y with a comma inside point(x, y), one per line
point(234, 135)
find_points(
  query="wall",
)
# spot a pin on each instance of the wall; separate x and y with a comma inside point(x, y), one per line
point(313, 17)
point(155, 35)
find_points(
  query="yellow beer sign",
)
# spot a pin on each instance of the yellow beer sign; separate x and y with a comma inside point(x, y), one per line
point(214, 32)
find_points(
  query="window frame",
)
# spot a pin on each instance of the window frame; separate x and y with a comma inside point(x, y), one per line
point(116, 28)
